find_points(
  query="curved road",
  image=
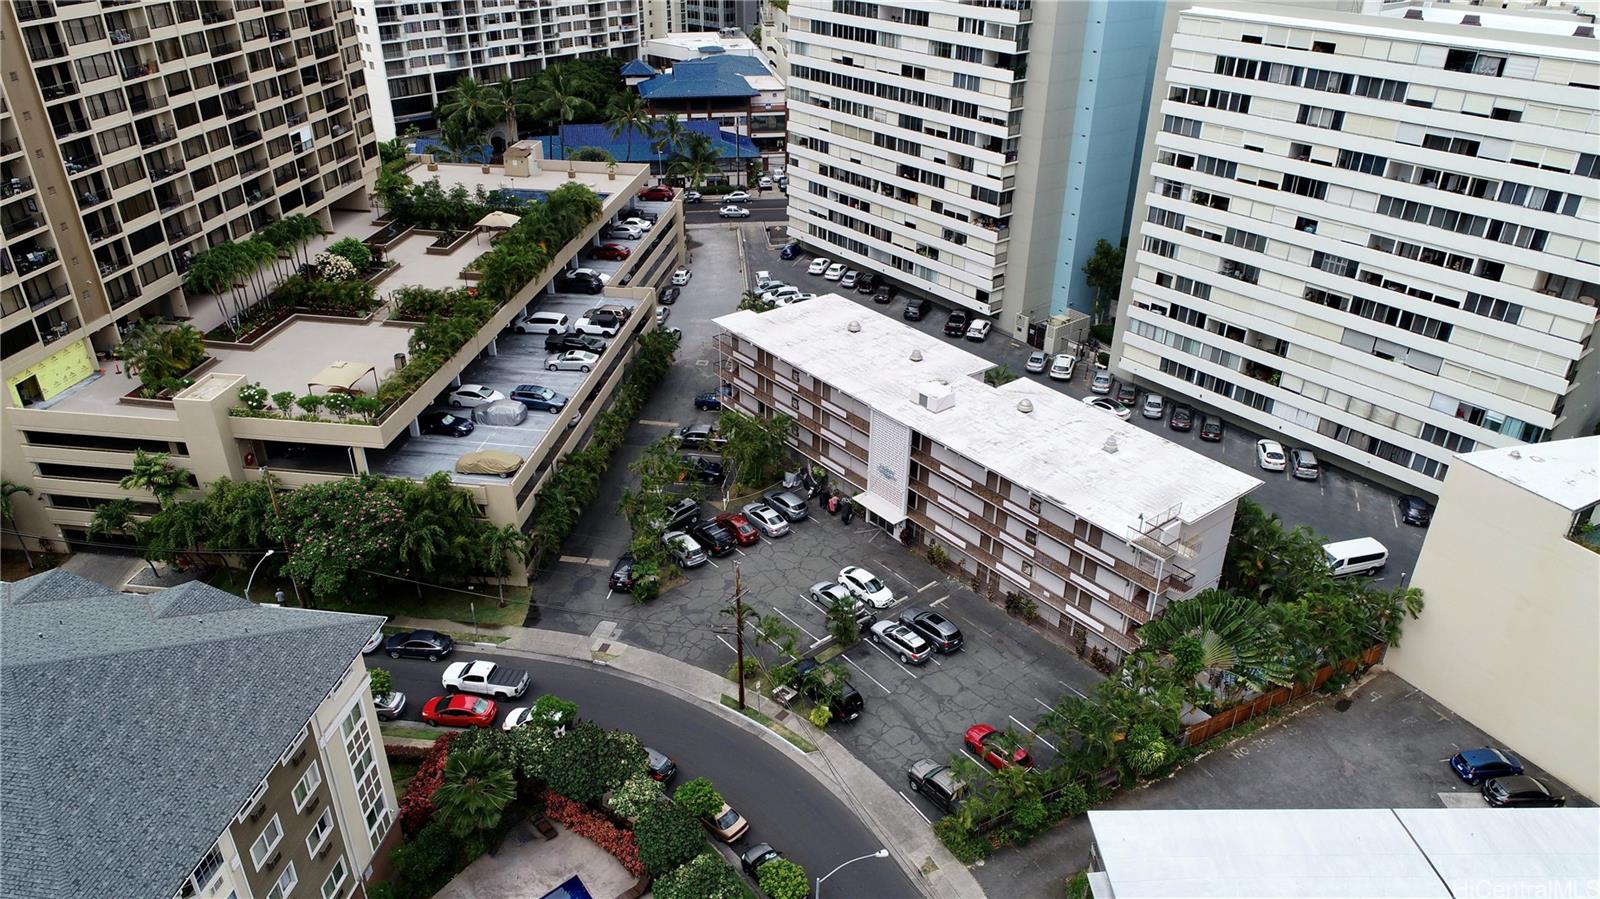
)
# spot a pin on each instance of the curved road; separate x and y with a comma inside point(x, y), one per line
point(786, 806)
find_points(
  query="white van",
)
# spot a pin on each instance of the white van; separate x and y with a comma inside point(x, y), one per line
point(1362, 555)
point(542, 322)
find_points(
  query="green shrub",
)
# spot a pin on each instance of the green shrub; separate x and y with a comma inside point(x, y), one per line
point(636, 794)
point(706, 876)
point(353, 251)
point(426, 862)
point(668, 837)
point(382, 681)
point(590, 761)
point(699, 798)
point(965, 845)
point(783, 879)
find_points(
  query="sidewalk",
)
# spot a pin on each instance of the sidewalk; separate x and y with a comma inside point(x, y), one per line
point(910, 842)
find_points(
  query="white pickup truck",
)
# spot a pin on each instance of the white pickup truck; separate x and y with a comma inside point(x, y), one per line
point(486, 679)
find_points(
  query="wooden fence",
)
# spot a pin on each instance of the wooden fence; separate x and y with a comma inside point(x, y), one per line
point(1222, 722)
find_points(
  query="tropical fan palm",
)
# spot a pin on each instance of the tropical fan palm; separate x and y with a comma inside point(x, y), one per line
point(1234, 635)
point(471, 107)
point(697, 161)
point(477, 788)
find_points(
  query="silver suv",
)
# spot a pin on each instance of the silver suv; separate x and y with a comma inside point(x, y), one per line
point(787, 504)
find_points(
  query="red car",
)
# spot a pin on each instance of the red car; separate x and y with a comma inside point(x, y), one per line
point(743, 531)
point(459, 710)
point(989, 745)
point(614, 251)
point(657, 192)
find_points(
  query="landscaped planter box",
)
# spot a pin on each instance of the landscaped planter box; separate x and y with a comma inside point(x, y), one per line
point(164, 400)
point(445, 244)
point(388, 237)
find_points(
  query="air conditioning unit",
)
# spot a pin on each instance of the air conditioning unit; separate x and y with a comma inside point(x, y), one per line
point(935, 396)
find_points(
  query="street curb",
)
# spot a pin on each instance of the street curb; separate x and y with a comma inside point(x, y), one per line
point(912, 846)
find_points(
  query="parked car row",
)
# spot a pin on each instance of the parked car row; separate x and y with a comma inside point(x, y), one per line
point(1499, 776)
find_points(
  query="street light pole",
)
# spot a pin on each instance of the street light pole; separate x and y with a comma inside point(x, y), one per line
point(881, 853)
point(252, 578)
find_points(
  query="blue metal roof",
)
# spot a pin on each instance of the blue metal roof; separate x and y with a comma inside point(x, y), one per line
point(693, 79)
point(478, 155)
point(637, 68)
point(643, 150)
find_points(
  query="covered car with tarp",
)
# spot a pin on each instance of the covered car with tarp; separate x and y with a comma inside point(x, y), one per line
point(501, 412)
point(495, 462)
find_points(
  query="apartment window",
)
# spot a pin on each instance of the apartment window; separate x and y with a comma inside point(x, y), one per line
point(201, 876)
point(1181, 126)
point(917, 17)
point(1321, 117)
point(271, 835)
point(94, 68)
point(364, 768)
point(1305, 187)
point(1235, 67)
point(307, 785)
point(967, 82)
point(1228, 101)
point(1027, 569)
point(1588, 165)
point(1222, 168)
point(1031, 537)
point(319, 832)
point(1381, 88)
point(1518, 235)
point(1035, 505)
point(1324, 80)
point(1334, 265)
point(1448, 439)
point(1461, 146)
point(1475, 63)
point(1164, 248)
point(286, 882)
point(1164, 217)
point(1489, 307)
point(1246, 240)
point(1366, 163)
point(334, 884)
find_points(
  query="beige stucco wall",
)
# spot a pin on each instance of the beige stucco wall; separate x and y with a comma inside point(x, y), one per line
point(1509, 637)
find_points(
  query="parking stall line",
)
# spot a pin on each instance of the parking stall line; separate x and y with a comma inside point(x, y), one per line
point(712, 563)
point(886, 690)
point(981, 762)
point(926, 586)
point(914, 807)
point(1034, 732)
point(1043, 703)
point(891, 658)
point(1072, 688)
point(935, 603)
point(727, 644)
point(796, 624)
point(901, 577)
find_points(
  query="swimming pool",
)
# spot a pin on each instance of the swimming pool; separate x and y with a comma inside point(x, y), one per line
point(572, 888)
point(528, 194)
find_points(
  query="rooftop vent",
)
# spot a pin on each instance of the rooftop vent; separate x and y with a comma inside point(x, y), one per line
point(916, 355)
point(1111, 445)
point(854, 327)
point(1413, 13)
point(1025, 405)
point(1471, 20)
point(1583, 31)
point(935, 396)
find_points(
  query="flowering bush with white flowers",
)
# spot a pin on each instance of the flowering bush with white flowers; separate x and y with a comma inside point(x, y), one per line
point(335, 268)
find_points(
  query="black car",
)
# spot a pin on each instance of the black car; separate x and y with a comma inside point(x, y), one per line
point(622, 573)
point(1126, 393)
point(539, 398)
point(867, 283)
point(715, 539)
point(669, 295)
point(1181, 419)
point(789, 251)
point(956, 324)
point(578, 284)
point(935, 628)
point(445, 423)
point(1415, 510)
point(916, 307)
point(882, 298)
point(703, 470)
point(430, 645)
point(707, 401)
point(817, 682)
point(756, 856)
point(1520, 791)
point(560, 343)
point(662, 768)
point(1211, 429)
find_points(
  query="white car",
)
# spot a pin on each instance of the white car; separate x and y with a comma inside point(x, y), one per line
point(781, 294)
point(376, 640)
point(794, 298)
point(766, 519)
point(661, 314)
point(904, 642)
point(680, 277)
point(624, 232)
point(766, 181)
point(1270, 455)
point(1101, 382)
point(1063, 367)
point(849, 279)
point(1038, 361)
point(979, 329)
point(643, 225)
point(597, 327)
point(865, 586)
point(468, 396)
point(602, 277)
point(818, 266)
point(1154, 406)
point(765, 281)
point(733, 212)
point(1108, 405)
point(738, 196)
point(572, 360)
point(835, 271)
point(520, 715)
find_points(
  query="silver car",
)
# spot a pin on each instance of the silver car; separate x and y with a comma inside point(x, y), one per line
point(1037, 362)
point(1101, 383)
point(766, 519)
point(685, 550)
point(390, 705)
point(788, 504)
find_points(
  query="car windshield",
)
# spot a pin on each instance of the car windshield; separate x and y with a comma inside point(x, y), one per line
point(448, 419)
point(728, 819)
point(871, 584)
point(480, 706)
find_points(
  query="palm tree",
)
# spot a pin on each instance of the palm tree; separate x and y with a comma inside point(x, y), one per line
point(501, 544)
point(516, 99)
point(1231, 634)
point(556, 98)
point(626, 115)
point(752, 301)
point(470, 108)
point(9, 489)
point(696, 160)
point(476, 789)
point(156, 473)
point(667, 134)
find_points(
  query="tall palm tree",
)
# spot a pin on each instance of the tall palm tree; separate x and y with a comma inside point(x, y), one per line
point(499, 547)
point(476, 789)
point(1233, 634)
point(156, 473)
point(471, 107)
point(626, 115)
point(667, 134)
point(9, 489)
point(556, 97)
point(516, 99)
point(696, 161)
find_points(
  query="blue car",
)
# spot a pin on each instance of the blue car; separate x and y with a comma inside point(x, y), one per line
point(708, 400)
point(1478, 765)
point(789, 251)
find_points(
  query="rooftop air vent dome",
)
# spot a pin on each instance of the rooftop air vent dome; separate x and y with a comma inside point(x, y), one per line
point(1025, 405)
point(916, 355)
point(854, 327)
point(1111, 445)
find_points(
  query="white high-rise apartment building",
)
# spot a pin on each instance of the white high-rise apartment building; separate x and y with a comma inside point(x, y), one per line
point(1374, 236)
point(947, 144)
point(415, 50)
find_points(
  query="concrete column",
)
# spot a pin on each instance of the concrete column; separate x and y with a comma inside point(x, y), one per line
point(414, 428)
point(358, 457)
point(493, 348)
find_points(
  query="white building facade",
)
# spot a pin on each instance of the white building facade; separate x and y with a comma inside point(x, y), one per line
point(415, 50)
point(1373, 236)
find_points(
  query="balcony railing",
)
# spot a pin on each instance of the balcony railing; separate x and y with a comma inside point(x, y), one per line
point(233, 78)
point(45, 298)
point(224, 48)
point(13, 186)
point(143, 103)
point(76, 164)
point(236, 109)
point(27, 12)
point(50, 333)
point(10, 146)
point(244, 137)
point(139, 70)
point(32, 260)
point(41, 52)
point(163, 172)
point(169, 203)
point(20, 225)
point(104, 232)
point(215, 16)
point(128, 35)
point(156, 138)
point(58, 90)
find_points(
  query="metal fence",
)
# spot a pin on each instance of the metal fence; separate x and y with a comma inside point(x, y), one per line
point(1223, 722)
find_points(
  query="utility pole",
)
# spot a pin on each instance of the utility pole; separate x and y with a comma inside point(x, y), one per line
point(278, 514)
point(738, 628)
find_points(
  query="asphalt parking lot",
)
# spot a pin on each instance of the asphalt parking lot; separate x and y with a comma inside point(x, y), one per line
point(1385, 747)
point(1340, 505)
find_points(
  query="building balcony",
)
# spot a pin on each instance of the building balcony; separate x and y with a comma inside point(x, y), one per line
point(32, 11)
point(12, 186)
point(30, 261)
point(54, 331)
point(58, 90)
point(14, 228)
point(225, 48)
point(157, 138)
point(81, 163)
point(129, 35)
point(216, 16)
point(138, 70)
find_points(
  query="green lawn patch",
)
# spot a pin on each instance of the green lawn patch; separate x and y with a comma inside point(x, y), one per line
point(829, 652)
point(800, 743)
point(401, 599)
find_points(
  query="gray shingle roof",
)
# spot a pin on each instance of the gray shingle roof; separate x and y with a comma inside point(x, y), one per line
point(132, 728)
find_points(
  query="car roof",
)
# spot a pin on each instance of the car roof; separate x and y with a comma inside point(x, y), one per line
point(1487, 754)
point(1520, 783)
